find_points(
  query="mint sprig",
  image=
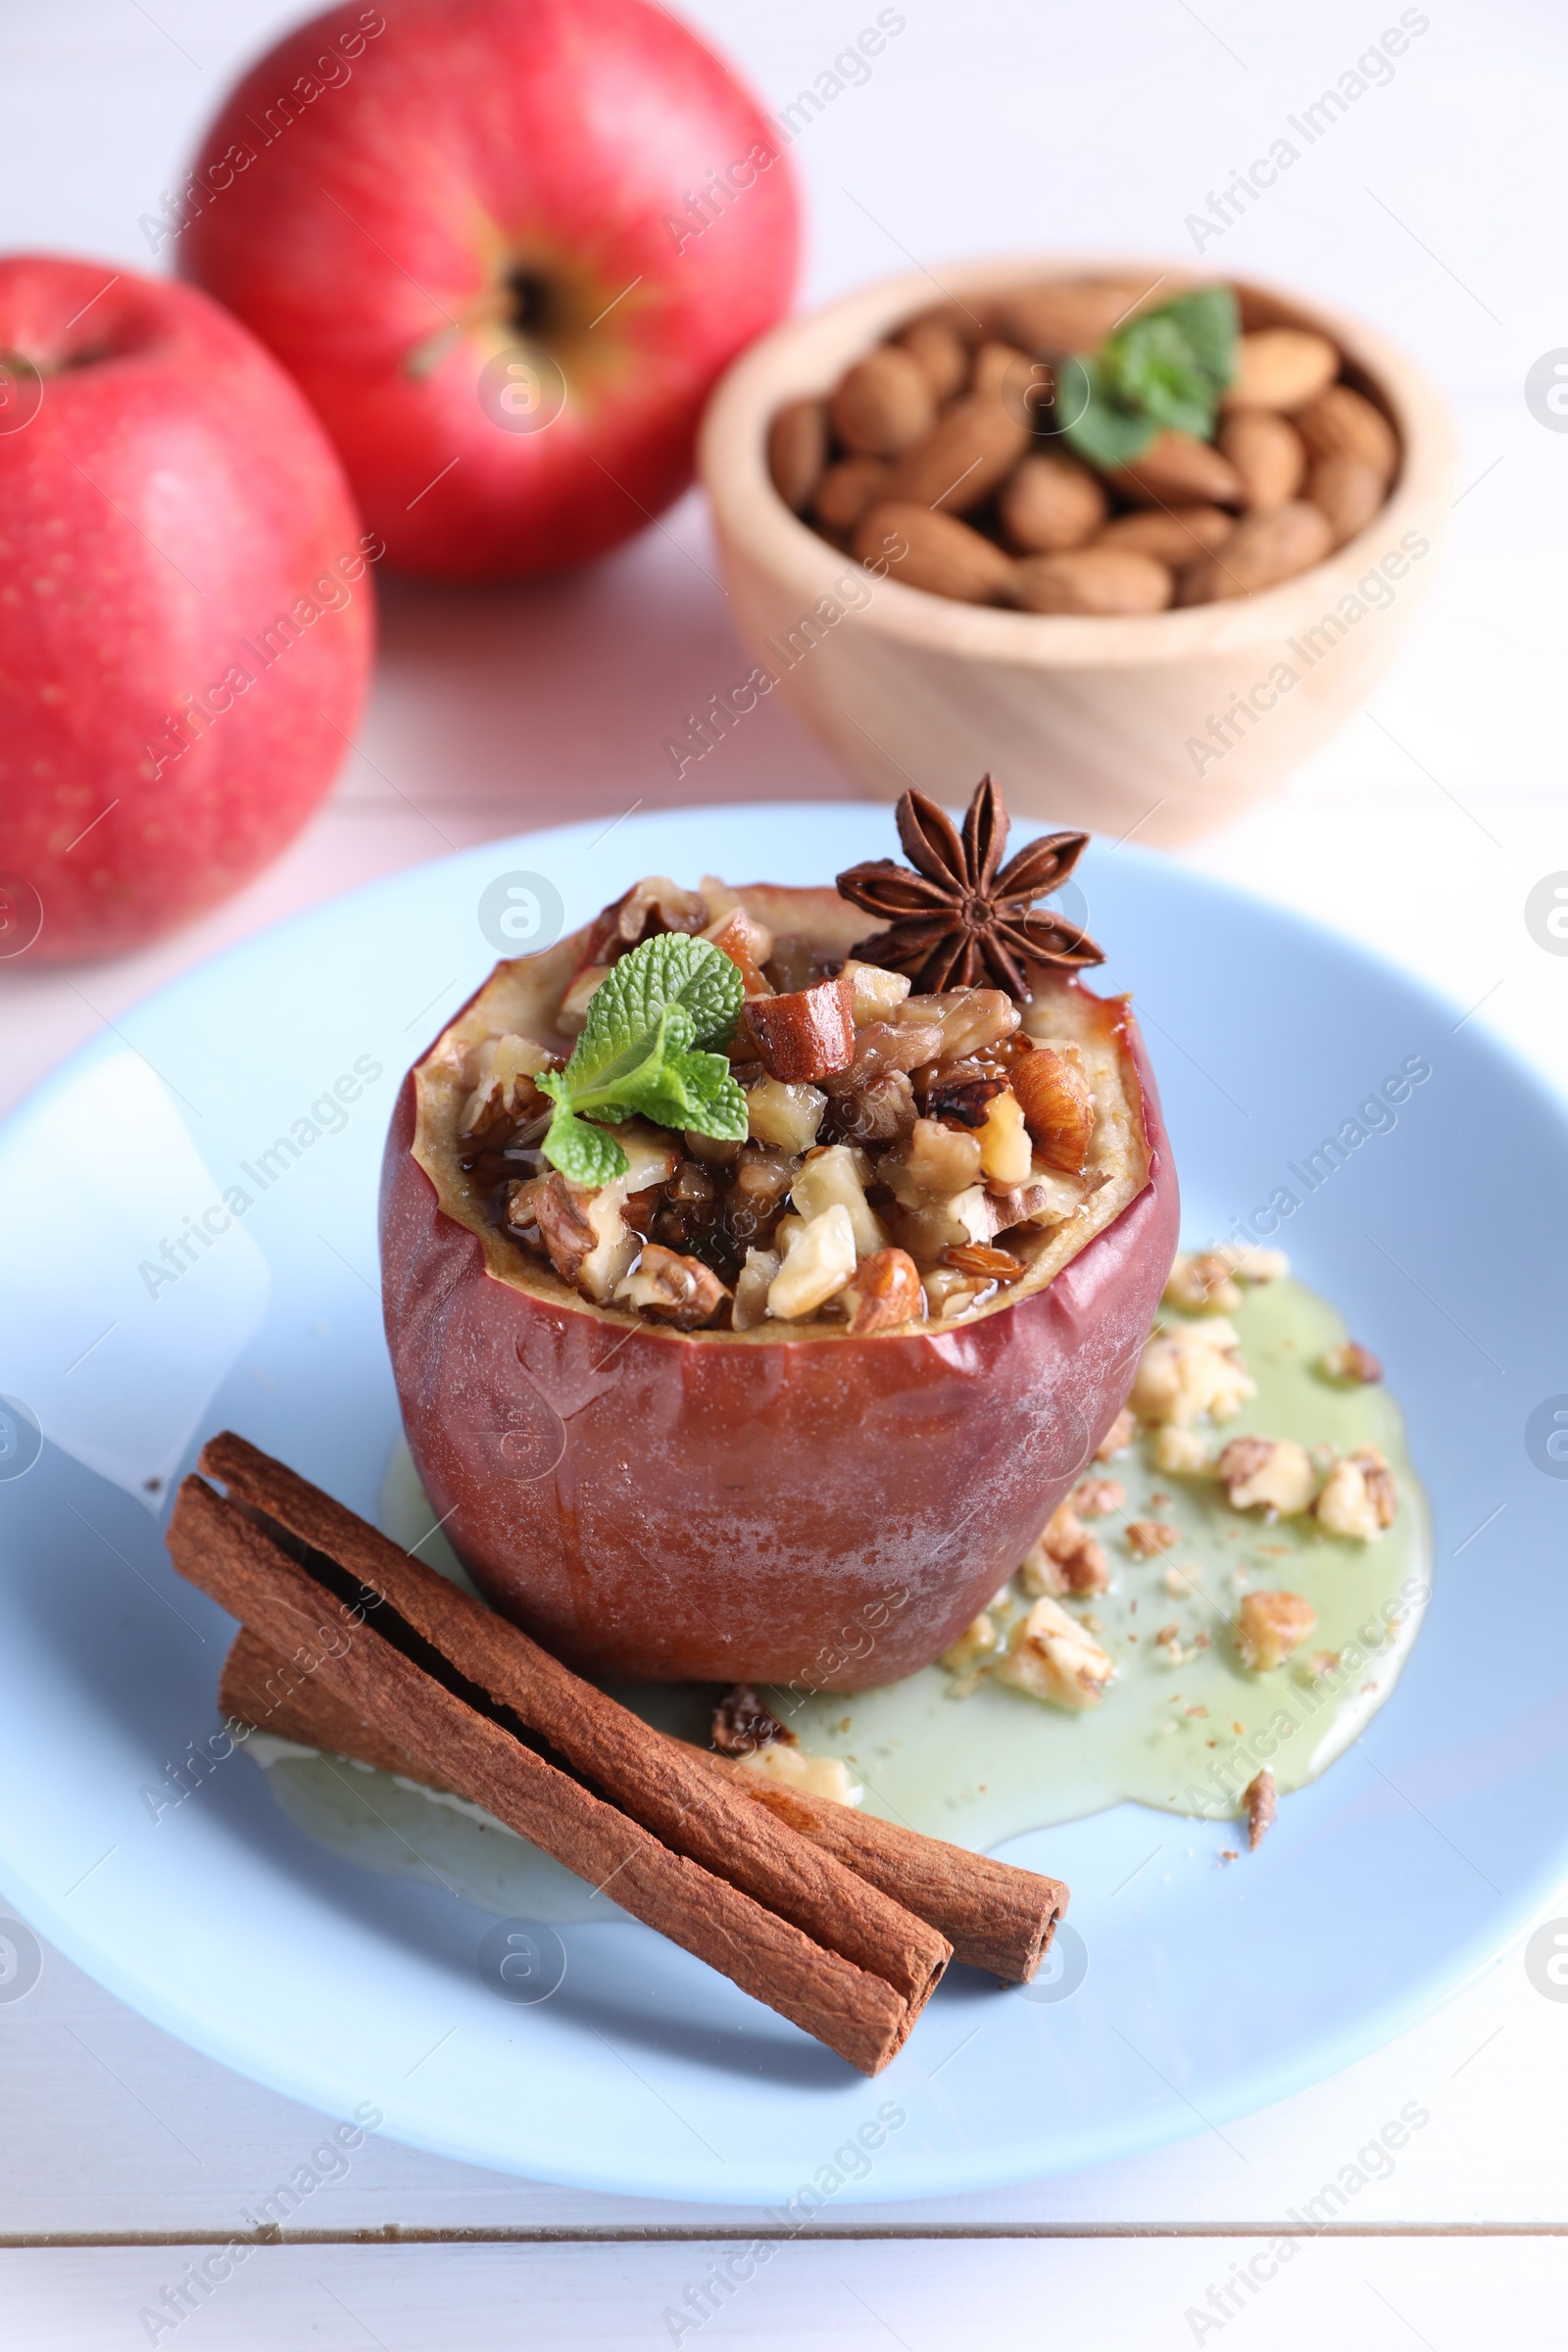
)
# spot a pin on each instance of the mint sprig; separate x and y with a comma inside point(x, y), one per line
point(644, 1048)
point(1164, 369)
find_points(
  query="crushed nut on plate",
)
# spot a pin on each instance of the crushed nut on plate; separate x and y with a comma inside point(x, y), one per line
point(1269, 1626)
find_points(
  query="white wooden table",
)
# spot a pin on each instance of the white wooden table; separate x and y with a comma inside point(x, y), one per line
point(1434, 206)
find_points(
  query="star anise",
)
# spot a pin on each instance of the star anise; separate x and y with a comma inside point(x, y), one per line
point(957, 919)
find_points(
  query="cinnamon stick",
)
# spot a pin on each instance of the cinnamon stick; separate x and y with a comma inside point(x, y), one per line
point(994, 1916)
point(659, 1783)
point(480, 1749)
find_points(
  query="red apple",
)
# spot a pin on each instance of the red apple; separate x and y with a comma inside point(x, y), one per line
point(785, 1504)
point(506, 247)
point(186, 624)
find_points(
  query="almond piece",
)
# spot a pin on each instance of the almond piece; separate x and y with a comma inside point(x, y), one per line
point(1092, 579)
point(991, 1266)
point(972, 321)
point(1349, 492)
point(994, 363)
point(1172, 535)
point(1071, 314)
point(1262, 550)
point(847, 490)
point(1281, 368)
point(1057, 1107)
point(1051, 502)
point(796, 451)
point(884, 403)
point(941, 554)
point(942, 355)
point(1267, 453)
point(1258, 1796)
point(1341, 423)
point(1178, 471)
point(973, 448)
point(886, 1293)
point(806, 1036)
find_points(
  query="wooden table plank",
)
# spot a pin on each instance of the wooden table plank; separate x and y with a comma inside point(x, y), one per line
point(1370, 2295)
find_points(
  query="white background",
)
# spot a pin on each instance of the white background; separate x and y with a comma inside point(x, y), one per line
point(1434, 207)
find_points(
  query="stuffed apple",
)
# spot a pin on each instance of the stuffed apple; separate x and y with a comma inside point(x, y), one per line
point(756, 1288)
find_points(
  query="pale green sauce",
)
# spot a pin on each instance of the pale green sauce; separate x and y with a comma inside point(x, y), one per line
point(1186, 1738)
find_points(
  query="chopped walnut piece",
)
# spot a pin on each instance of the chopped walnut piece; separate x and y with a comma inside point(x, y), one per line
point(1180, 1450)
point(806, 1036)
point(1066, 1557)
point(1360, 1496)
point(1258, 1798)
point(1350, 1361)
point(819, 1262)
point(1150, 1537)
point(1201, 1285)
point(1097, 1498)
point(963, 1100)
point(882, 1112)
point(1275, 1472)
point(1184, 1375)
point(935, 1163)
point(885, 1292)
point(990, 1265)
point(671, 1289)
point(813, 1775)
point(836, 1173)
point(1117, 1438)
point(1269, 1626)
point(742, 1724)
point(979, 1640)
point(752, 1285)
point(1007, 1154)
point(1057, 1106)
point(500, 1073)
point(1052, 1656)
point(559, 1211)
point(1250, 1262)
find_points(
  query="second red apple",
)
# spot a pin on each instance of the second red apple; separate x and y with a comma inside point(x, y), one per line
point(506, 247)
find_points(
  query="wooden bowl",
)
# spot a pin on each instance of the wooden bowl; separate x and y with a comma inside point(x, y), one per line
point(1169, 723)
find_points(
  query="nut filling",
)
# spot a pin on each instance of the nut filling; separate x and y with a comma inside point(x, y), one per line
point(908, 1159)
point(798, 1136)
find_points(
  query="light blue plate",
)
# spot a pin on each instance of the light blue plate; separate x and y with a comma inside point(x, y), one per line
point(1209, 1990)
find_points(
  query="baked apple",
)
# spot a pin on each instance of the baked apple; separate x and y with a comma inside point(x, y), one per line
point(752, 1302)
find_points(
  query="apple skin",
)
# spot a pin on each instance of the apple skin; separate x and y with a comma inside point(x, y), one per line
point(369, 242)
point(165, 496)
point(827, 1512)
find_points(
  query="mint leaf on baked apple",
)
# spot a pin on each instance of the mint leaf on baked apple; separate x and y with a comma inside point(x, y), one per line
point(644, 1049)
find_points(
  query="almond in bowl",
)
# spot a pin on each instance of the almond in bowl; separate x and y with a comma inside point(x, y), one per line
point(762, 1265)
point(1146, 537)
